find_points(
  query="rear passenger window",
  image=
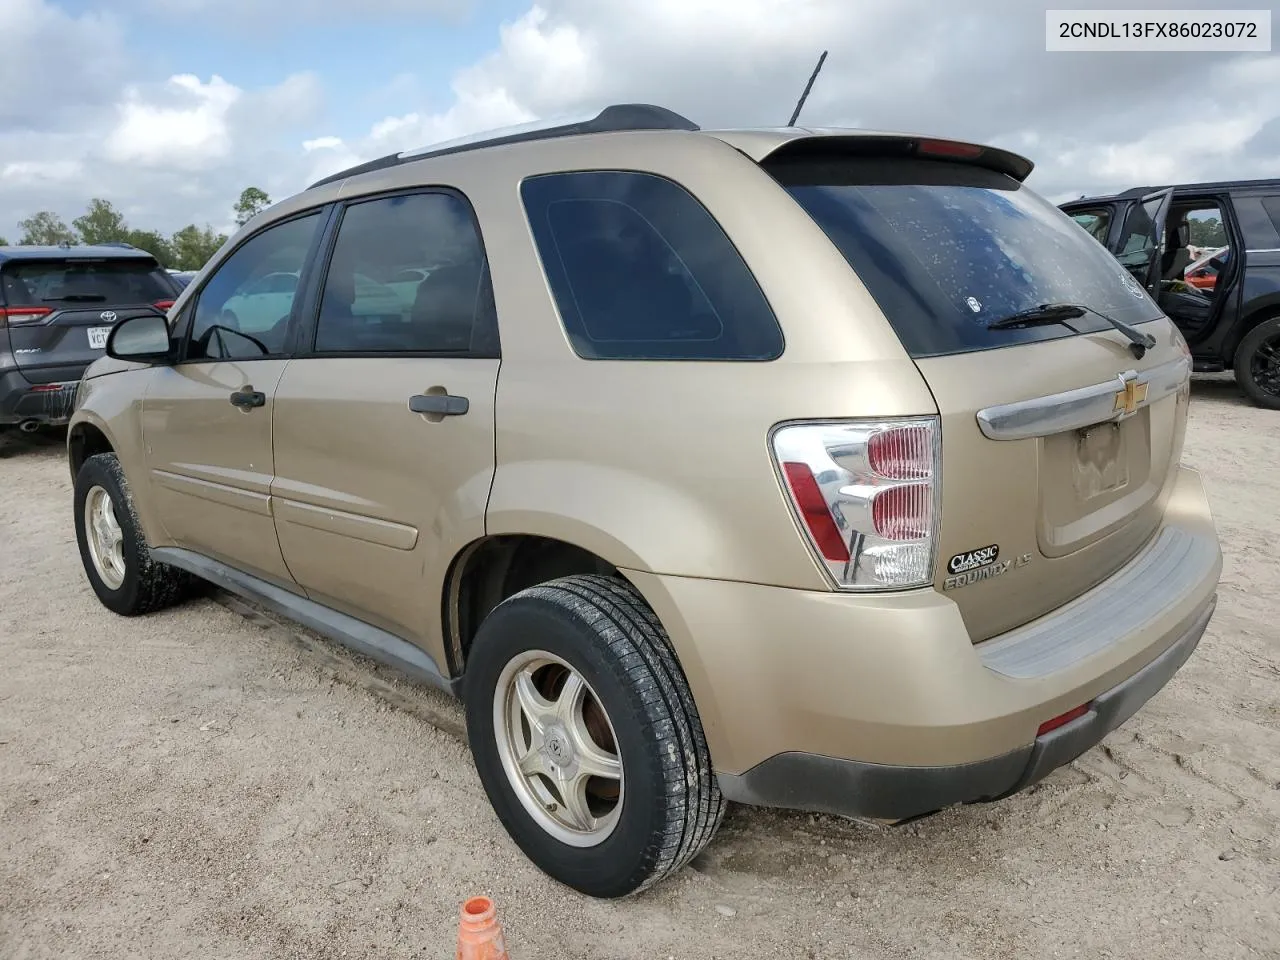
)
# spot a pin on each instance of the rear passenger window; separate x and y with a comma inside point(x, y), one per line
point(1255, 223)
point(641, 271)
point(408, 275)
point(1272, 206)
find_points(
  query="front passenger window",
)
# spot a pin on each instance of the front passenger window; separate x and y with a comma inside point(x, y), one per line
point(243, 312)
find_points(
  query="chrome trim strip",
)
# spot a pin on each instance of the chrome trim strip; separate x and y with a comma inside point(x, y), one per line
point(1082, 407)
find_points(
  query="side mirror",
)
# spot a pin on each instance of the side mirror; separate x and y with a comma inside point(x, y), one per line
point(140, 340)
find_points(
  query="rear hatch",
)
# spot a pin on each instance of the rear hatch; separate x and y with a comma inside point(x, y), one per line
point(1059, 441)
point(58, 311)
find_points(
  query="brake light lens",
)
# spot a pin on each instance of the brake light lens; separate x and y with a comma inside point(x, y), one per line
point(865, 495)
point(163, 305)
point(949, 148)
point(16, 316)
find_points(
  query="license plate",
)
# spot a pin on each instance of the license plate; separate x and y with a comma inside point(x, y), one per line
point(98, 337)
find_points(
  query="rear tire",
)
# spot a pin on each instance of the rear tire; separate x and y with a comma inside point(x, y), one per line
point(114, 552)
point(1257, 364)
point(668, 804)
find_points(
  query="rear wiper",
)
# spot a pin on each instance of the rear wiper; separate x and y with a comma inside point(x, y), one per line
point(1139, 343)
point(1037, 316)
point(77, 298)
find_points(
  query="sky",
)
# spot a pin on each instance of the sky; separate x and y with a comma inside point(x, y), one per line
point(169, 108)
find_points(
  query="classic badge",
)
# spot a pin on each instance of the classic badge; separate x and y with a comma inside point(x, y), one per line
point(972, 559)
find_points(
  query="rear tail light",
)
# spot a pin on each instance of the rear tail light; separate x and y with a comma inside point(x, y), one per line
point(865, 495)
point(163, 305)
point(16, 316)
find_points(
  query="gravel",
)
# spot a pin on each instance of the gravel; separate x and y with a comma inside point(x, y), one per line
point(212, 781)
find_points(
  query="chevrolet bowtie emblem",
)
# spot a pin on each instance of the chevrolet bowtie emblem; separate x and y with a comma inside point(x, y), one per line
point(1131, 395)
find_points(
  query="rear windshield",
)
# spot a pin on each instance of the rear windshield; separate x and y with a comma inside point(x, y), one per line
point(26, 283)
point(945, 249)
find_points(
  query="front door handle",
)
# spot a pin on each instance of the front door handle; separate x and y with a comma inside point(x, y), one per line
point(440, 404)
point(245, 399)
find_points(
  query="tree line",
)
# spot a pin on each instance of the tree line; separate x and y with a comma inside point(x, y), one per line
point(186, 249)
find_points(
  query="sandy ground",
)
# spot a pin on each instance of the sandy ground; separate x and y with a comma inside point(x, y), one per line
point(206, 782)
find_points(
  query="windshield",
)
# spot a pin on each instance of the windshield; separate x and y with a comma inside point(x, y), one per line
point(124, 281)
point(946, 249)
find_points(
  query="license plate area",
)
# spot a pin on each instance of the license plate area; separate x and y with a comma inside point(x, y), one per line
point(98, 337)
point(1100, 464)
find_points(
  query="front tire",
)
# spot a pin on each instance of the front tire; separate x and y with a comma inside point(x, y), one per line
point(114, 552)
point(1257, 364)
point(586, 738)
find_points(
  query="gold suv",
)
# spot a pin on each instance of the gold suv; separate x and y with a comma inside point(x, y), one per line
point(810, 468)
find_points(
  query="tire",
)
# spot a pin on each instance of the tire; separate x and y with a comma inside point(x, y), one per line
point(145, 585)
point(669, 805)
point(1260, 348)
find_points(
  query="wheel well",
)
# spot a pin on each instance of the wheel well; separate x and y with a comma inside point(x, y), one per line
point(491, 570)
point(85, 441)
point(1256, 316)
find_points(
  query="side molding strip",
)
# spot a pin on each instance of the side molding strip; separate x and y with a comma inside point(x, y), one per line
point(357, 635)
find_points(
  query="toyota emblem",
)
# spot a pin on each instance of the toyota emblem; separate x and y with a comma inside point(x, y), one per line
point(108, 315)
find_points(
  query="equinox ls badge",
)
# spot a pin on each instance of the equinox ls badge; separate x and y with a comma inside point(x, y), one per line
point(985, 572)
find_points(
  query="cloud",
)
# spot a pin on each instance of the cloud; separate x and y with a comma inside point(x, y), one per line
point(298, 9)
point(56, 65)
point(27, 173)
point(182, 149)
point(187, 129)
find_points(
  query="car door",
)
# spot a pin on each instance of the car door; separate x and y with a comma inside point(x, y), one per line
point(1141, 240)
point(1095, 221)
point(384, 452)
point(207, 418)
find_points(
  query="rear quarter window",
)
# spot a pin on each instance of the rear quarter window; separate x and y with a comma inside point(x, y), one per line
point(640, 270)
point(1259, 221)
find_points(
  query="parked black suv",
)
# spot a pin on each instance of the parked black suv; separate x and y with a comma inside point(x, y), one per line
point(57, 305)
point(1229, 307)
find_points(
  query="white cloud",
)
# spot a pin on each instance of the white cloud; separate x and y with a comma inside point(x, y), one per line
point(187, 130)
point(26, 173)
point(54, 64)
point(182, 150)
point(322, 143)
point(294, 10)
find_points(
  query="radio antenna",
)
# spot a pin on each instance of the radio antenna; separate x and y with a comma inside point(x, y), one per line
point(807, 87)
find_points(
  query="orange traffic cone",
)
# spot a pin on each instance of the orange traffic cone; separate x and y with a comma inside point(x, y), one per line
point(479, 932)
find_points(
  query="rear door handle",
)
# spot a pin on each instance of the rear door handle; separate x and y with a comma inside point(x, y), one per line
point(248, 398)
point(441, 404)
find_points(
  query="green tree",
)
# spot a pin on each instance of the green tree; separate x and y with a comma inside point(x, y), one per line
point(3, 242)
point(252, 202)
point(45, 229)
point(192, 247)
point(101, 223)
point(1208, 232)
point(154, 243)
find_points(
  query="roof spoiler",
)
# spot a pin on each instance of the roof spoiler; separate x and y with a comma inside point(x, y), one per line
point(848, 142)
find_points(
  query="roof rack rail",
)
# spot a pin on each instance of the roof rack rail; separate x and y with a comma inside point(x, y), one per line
point(614, 118)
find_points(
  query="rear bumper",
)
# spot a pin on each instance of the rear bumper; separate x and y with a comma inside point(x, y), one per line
point(44, 403)
point(806, 781)
point(882, 706)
